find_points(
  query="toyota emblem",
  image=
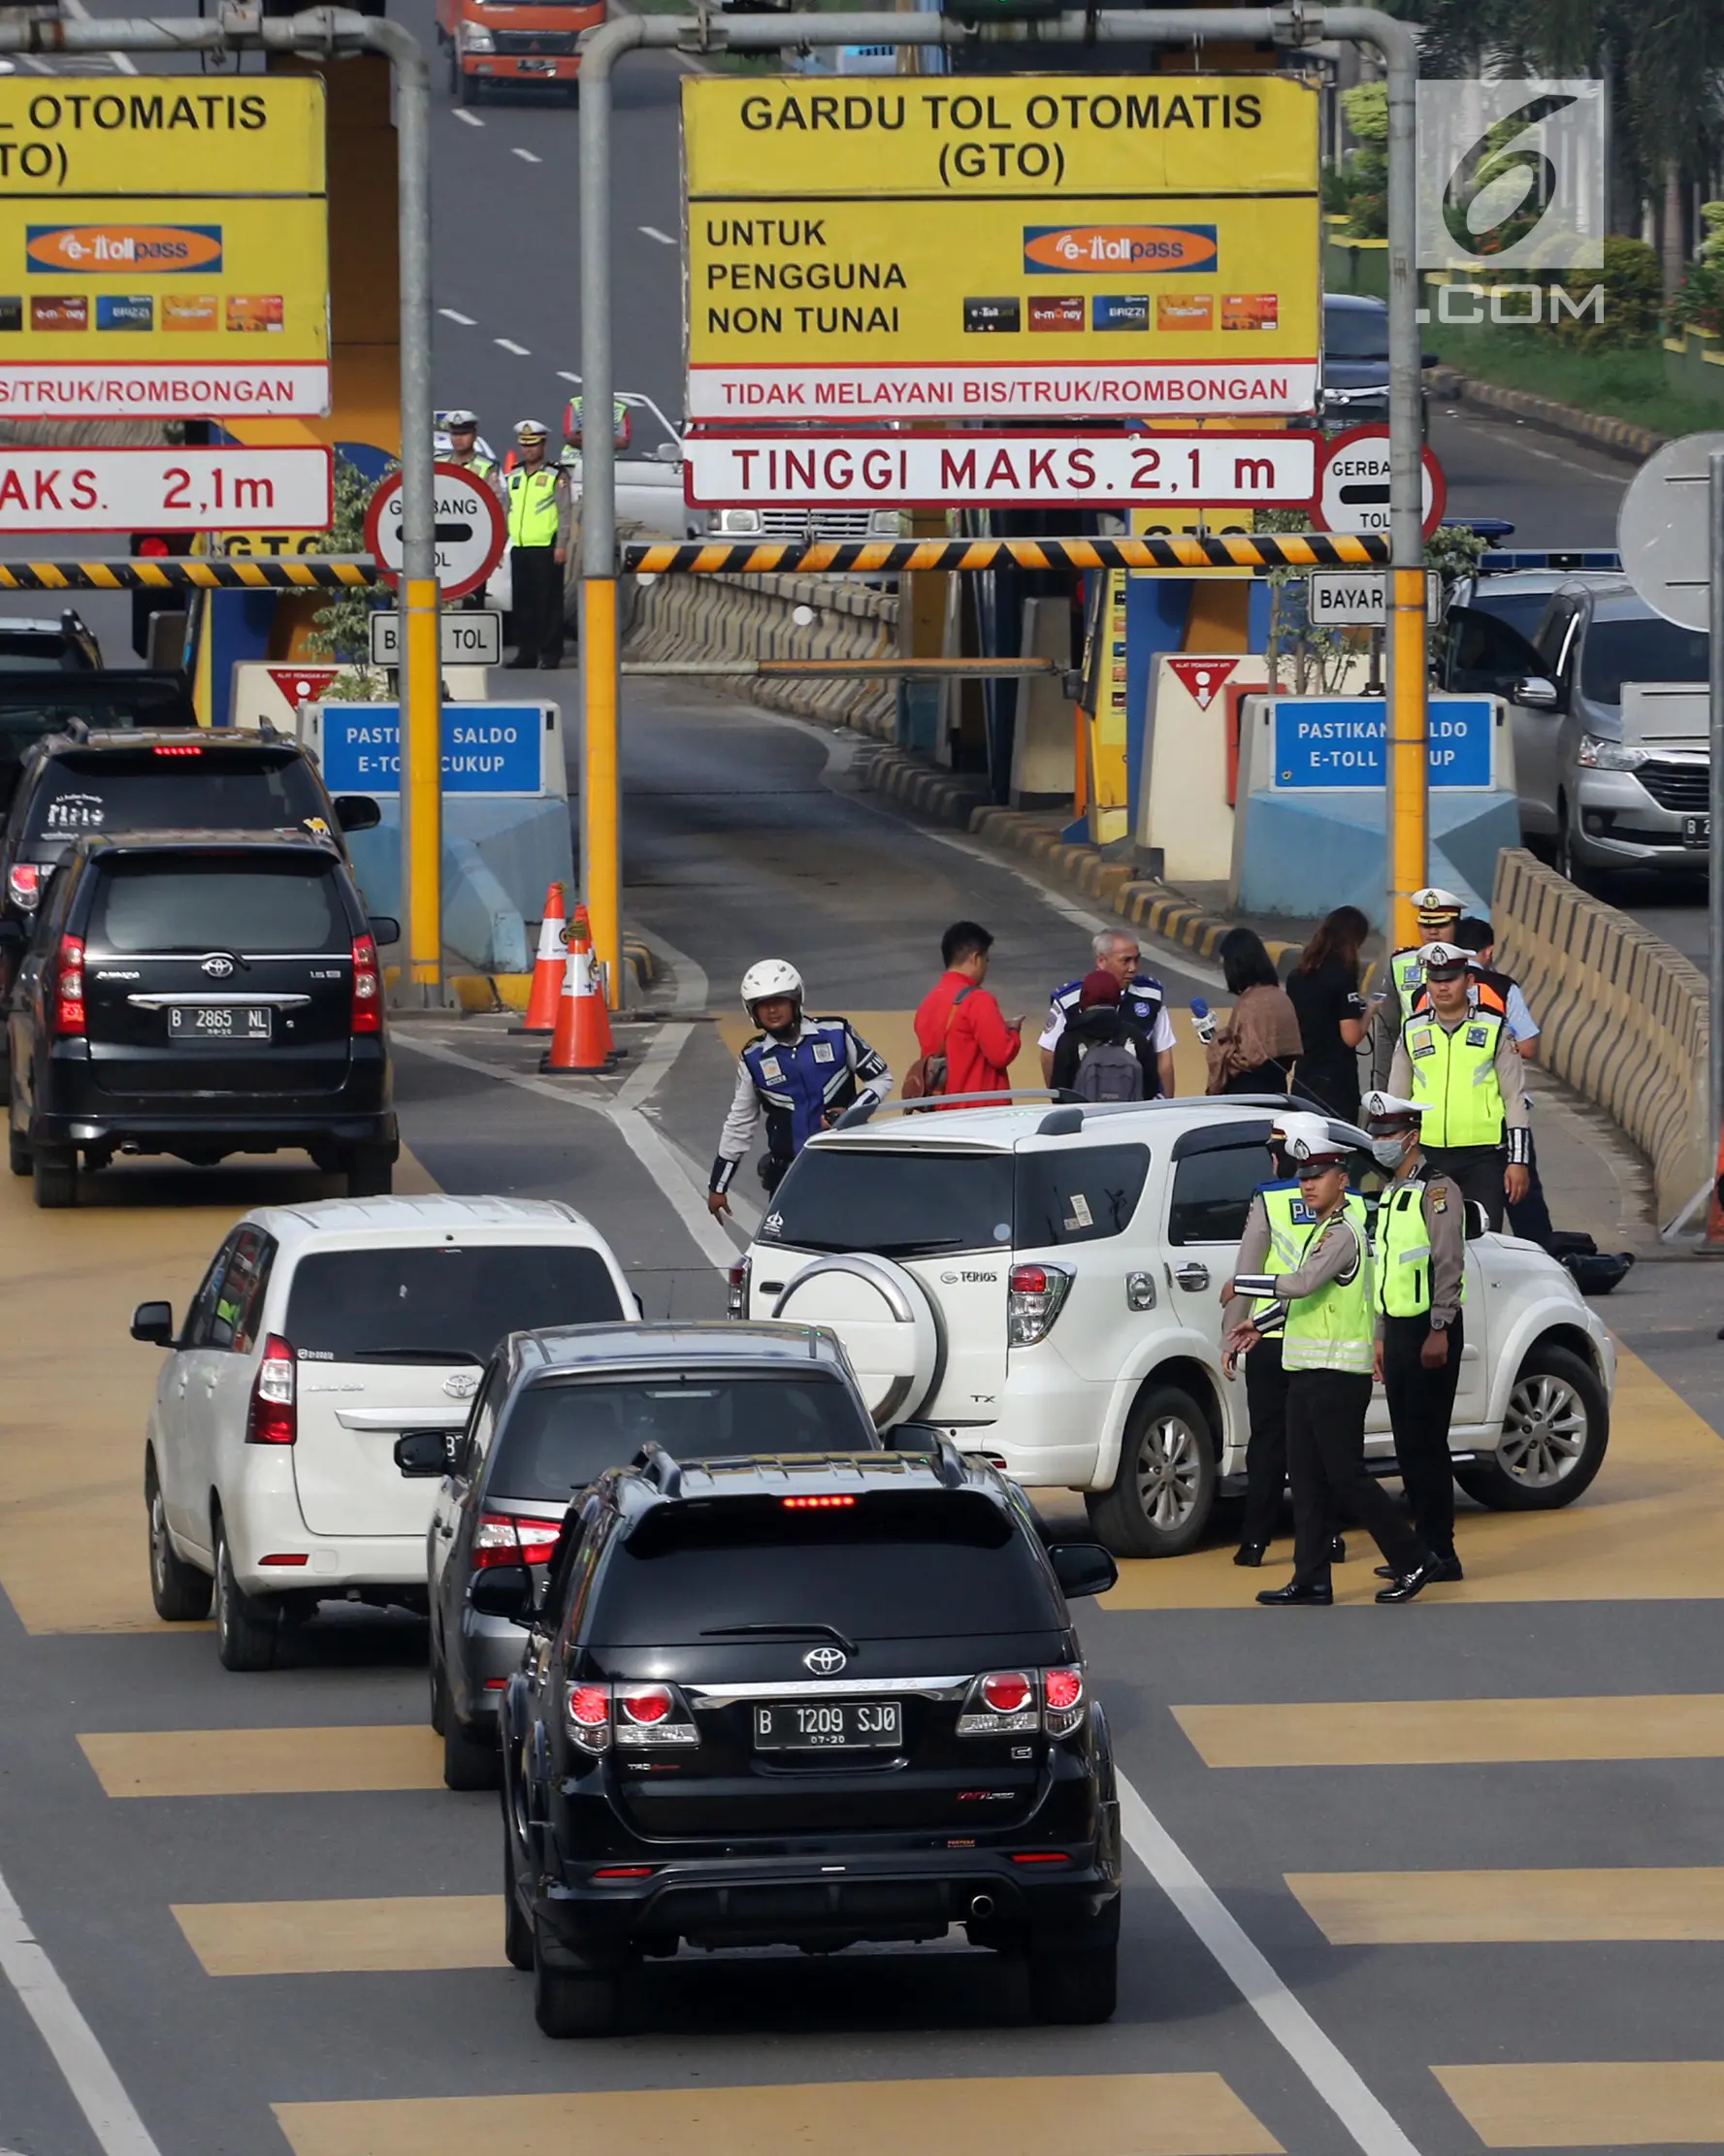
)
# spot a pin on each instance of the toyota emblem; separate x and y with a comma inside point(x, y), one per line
point(219, 966)
point(461, 1385)
point(825, 1661)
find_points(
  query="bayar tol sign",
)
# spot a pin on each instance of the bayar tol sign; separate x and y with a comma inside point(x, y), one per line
point(1042, 247)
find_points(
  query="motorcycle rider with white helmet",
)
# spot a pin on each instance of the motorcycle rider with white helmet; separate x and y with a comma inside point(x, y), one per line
point(803, 1073)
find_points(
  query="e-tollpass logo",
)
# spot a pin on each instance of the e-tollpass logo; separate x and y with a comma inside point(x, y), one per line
point(1511, 175)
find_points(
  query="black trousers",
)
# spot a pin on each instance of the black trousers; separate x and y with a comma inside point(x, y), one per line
point(1530, 1220)
point(538, 593)
point(1477, 1171)
point(1266, 1452)
point(1421, 1404)
point(1326, 1467)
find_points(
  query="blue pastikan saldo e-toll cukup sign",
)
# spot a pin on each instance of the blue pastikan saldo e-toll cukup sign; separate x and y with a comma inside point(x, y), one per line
point(1338, 741)
point(488, 748)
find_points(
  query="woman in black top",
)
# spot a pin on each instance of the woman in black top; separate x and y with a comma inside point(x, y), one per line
point(1332, 1013)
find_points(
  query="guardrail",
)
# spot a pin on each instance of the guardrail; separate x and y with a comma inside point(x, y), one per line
point(1624, 1017)
point(191, 573)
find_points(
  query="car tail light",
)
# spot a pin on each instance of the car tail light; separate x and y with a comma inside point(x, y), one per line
point(999, 1704)
point(274, 1419)
point(654, 1715)
point(1062, 1698)
point(1034, 1298)
point(625, 1872)
point(1041, 1856)
point(736, 1300)
point(282, 1557)
point(24, 885)
point(366, 1015)
point(176, 749)
point(1006, 1692)
point(69, 987)
point(588, 1709)
point(506, 1537)
point(817, 1504)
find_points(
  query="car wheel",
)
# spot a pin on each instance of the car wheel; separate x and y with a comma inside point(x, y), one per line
point(1074, 1987)
point(471, 1761)
point(245, 1628)
point(19, 1150)
point(180, 1592)
point(55, 1172)
point(1555, 1430)
point(1165, 1488)
point(517, 1932)
point(574, 2002)
point(371, 1171)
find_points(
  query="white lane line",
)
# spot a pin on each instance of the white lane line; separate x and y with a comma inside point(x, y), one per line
point(526, 156)
point(449, 314)
point(472, 119)
point(662, 237)
point(562, 375)
point(1328, 2069)
point(122, 61)
point(509, 345)
point(80, 2059)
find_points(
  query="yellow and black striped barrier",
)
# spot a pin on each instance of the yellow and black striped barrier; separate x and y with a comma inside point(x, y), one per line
point(815, 557)
point(191, 573)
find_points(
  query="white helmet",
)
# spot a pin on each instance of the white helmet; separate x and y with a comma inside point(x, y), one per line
point(1305, 1140)
point(769, 978)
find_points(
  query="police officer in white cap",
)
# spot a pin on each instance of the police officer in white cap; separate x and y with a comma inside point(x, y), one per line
point(1457, 1058)
point(539, 508)
point(1438, 912)
point(1328, 1348)
point(1419, 1274)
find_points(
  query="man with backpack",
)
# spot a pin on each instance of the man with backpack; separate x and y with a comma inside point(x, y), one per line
point(1099, 1056)
point(967, 1046)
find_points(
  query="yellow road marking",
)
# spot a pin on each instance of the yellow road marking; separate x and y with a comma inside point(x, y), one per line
point(1456, 1732)
point(1631, 2104)
point(265, 1762)
point(77, 1399)
point(299, 1939)
point(1465, 1909)
point(1127, 2114)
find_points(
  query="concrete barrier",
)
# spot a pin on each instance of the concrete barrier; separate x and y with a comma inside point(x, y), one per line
point(752, 617)
point(1624, 1017)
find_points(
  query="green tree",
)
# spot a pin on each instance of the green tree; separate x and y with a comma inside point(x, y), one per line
point(341, 630)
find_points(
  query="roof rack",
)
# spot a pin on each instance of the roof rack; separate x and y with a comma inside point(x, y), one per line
point(1069, 1117)
point(865, 1111)
point(654, 1460)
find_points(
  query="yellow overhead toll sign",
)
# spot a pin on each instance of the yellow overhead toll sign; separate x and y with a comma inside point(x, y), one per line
point(204, 298)
point(1038, 247)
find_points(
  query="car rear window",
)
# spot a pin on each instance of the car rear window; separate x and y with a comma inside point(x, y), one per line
point(178, 787)
point(896, 1204)
point(449, 1303)
point(559, 1436)
point(20, 652)
point(166, 903)
point(916, 1565)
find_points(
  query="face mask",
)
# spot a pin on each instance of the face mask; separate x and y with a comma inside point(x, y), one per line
point(1388, 1153)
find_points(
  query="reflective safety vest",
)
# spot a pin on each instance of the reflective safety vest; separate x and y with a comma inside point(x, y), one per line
point(1290, 1221)
point(801, 1082)
point(481, 467)
point(533, 506)
point(1401, 1252)
point(1334, 1329)
point(1455, 1079)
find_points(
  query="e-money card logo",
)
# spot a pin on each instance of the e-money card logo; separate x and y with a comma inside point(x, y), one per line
point(1511, 175)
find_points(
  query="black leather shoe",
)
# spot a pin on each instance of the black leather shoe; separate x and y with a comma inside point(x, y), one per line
point(1317, 1595)
point(1408, 1584)
point(1336, 1549)
point(1250, 1554)
point(1439, 1569)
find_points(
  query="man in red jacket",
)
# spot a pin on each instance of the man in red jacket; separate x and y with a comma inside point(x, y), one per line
point(960, 1019)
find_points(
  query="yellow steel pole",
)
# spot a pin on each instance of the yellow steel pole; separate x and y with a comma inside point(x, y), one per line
point(422, 790)
point(601, 807)
point(1408, 751)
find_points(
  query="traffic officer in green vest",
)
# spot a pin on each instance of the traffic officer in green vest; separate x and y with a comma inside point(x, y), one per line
point(541, 509)
point(1328, 1345)
point(1276, 1224)
point(1437, 911)
point(1418, 1263)
point(463, 430)
point(1459, 1062)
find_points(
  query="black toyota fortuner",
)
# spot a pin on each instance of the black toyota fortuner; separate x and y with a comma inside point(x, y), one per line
point(199, 994)
point(809, 1702)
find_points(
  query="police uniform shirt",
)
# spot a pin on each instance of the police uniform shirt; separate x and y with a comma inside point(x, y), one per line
point(1143, 1003)
point(1510, 1069)
point(796, 1080)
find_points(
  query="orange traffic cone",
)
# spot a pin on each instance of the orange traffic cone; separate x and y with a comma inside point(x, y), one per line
point(580, 929)
point(549, 968)
point(581, 1041)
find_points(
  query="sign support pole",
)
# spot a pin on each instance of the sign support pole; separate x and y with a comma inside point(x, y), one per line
point(1716, 840)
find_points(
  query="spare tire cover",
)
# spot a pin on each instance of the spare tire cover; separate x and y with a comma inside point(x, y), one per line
point(885, 1321)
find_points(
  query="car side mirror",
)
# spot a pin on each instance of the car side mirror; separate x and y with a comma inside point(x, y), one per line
point(357, 812)
point(1538, 694)
point(1084, 1568)
point(503, 1590)
point(426, 1451)
point(1477, 1219)
point(153, 1323)
point(385, 928)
